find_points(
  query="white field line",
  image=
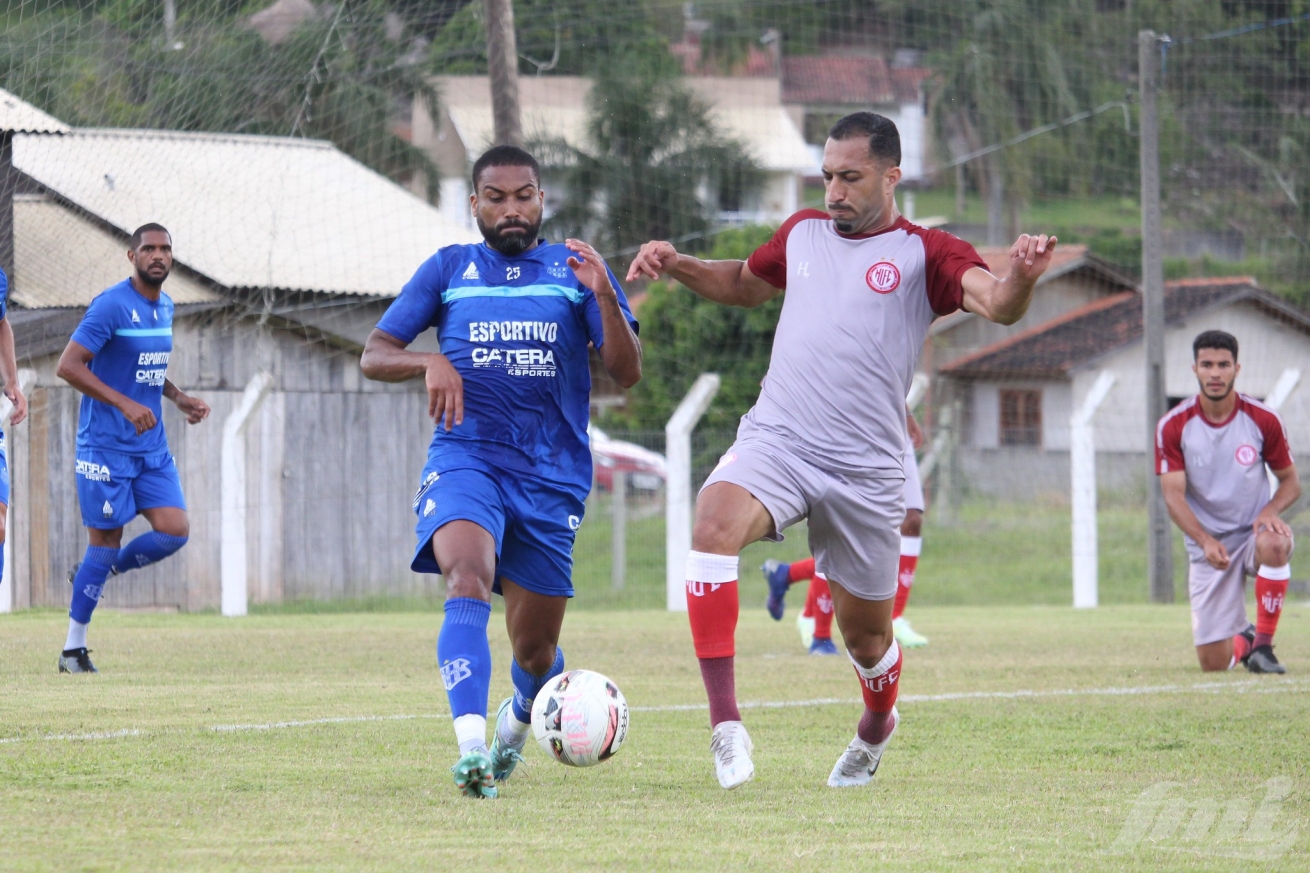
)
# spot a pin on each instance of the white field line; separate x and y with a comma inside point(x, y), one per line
point(98, 735)
point(1255, 686)
point(273, 725)
point(1237, 687)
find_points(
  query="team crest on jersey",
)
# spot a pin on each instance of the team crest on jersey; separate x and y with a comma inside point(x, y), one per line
point(1246, 455)
point(883, 277)
point(557, 271)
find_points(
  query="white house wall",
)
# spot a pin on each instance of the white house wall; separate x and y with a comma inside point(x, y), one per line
point(985, 413)
point(1267, 348)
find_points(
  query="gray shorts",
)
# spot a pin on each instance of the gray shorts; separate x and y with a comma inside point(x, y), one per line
point(1218, 597)
point(855, 523)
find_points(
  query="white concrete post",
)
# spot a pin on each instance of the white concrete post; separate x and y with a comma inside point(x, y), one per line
point(1283, 388)
point(677, 497)
point(25, 378)
point(1082, 468)
point(233, 496)
point(618, 530)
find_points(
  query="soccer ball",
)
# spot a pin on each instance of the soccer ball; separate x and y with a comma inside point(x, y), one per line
point(580, 718)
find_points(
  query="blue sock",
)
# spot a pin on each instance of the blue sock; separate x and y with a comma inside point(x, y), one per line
point(147, 549)
point(465, 655)
point(90, 582)
point(526, 686)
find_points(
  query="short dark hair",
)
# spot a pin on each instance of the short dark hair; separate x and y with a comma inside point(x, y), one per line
point(504, 156)
point(1214, 339)
point(884, 138)
point(145, 229)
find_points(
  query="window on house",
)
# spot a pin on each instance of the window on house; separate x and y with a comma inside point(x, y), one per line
point(1021, 418)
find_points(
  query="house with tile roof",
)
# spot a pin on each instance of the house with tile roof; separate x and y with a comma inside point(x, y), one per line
point(1016, 396)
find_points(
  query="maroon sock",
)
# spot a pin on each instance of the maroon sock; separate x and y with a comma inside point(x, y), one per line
point(874, 726)
point(721, 686)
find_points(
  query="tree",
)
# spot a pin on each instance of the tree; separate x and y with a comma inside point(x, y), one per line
point(684, 335)
point(655, 164)
point(341, 77)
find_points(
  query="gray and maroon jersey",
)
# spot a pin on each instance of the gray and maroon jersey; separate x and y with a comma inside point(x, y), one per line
point(854, 319)
point(1225, 463)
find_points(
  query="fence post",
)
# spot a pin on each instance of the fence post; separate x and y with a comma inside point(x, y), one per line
point(25, 378)
point(233, 594)
point(618, 530)
point(1082, 470)
point(1286, 384)
point(677, 501)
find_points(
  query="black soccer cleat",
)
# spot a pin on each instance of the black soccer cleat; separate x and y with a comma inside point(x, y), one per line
point(76, 661)
point(1249, 633)
point(1262, 660)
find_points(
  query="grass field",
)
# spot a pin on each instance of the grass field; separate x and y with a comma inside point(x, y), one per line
point(993, 553)
point(321, 742)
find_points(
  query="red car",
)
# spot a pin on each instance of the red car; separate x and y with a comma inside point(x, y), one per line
point(646, 470)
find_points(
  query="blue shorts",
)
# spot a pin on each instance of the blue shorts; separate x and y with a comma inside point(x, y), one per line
point(112, 488)
point(4, 473)
point(533, 522)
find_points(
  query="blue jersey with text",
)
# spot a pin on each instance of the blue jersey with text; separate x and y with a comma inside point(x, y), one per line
point(130, 338)
point(516, 330)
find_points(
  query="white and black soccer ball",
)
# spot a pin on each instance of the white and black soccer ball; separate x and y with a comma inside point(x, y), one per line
point(580, 718)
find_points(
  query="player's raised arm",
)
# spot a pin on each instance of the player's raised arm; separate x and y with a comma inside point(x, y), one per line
point(728, 282)
point(1005, 300)
point(620, 351)
point(387, 359)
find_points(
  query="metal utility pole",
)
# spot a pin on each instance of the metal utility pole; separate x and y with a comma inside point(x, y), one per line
point(503, 67)
point(1161, 544)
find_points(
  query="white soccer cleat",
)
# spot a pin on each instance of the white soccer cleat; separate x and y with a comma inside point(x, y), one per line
point(805, 624)
point(732, 746)
point(859, 762)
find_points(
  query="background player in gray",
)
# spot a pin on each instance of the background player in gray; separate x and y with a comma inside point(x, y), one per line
point(826, 439)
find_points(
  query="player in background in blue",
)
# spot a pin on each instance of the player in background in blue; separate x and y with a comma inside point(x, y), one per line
point(509, 466)
point(14, 391)
point(117, 358)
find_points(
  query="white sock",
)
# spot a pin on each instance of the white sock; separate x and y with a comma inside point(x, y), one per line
point(512, 731)
point(76, 635)
point(911, 546)
point(471, 733)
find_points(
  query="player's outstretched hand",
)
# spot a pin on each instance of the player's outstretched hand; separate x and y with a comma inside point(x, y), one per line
point(445, 392)
point(655, 258)
point(589, 267)
point(1031, 255)
point(141, 417)
point(195, 409)
point(16, 397)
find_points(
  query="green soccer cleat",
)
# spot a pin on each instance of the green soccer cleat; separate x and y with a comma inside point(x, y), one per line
point(907, 636)
point(473, 775)
point(504, 757)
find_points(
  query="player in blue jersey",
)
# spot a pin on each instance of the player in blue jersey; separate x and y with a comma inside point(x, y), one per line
point(117, 358)
point(14, 391)
point(509, 466)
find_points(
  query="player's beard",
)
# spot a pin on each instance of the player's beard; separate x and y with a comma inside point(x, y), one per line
point(1228, 389)
point(147, 279)
point(511, 244)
